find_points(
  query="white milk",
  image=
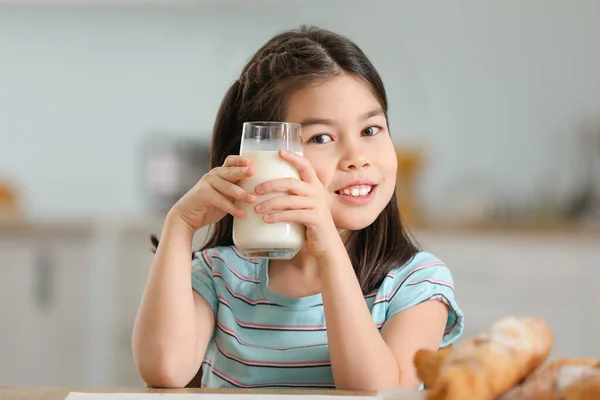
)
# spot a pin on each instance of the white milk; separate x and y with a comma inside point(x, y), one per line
point(252, 233)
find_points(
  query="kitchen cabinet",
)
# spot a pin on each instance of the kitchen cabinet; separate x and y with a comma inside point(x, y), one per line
point(43, 309)
point(550, 276)
point(16, 255)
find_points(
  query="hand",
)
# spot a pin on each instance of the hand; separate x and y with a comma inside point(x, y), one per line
point(305, 202)
point(213, 196)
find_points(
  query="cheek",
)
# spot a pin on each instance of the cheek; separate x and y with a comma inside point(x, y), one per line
point(325, 177)
point(321, 168)
point(389, 162)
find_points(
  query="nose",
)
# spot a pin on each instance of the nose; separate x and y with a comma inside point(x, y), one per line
point(355, 160)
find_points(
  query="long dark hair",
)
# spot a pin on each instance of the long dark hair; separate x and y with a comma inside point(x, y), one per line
point(288, 62)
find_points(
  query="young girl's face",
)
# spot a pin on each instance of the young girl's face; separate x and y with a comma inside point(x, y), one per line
point(345, 136)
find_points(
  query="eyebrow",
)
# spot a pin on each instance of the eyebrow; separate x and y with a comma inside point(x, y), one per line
point(316, 121)
point(373, 113)
point(326, 121)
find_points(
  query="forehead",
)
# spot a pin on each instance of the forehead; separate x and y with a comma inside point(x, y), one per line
point(341, 97)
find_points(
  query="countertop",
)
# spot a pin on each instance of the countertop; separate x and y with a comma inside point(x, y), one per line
point(60, 393)
point(514, 227)
point(85, 227)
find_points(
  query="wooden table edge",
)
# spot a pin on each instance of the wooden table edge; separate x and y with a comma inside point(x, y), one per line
point(61, 392)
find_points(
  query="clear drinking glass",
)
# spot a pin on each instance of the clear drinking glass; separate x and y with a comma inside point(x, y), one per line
point(261, 142)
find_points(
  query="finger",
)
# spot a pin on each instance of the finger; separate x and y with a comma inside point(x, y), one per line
point(284, 185)
point(222, 203)
point(234, 174)
point(304, 167)
point(231, 190)
point(236, 161)
point(305, 217)
point(285, 203)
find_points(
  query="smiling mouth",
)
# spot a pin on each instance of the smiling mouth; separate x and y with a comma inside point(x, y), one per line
point(356, 191)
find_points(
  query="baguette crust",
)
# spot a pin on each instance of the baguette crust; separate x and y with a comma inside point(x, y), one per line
point(563, 379)
point(489, 364)
point(428, 364)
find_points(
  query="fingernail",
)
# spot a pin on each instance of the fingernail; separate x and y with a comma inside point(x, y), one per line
point(245, 170)
point(258, 189)
point(259, 207)
point(250, 198)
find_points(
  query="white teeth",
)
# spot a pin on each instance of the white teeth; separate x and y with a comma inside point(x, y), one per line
point(357, 191)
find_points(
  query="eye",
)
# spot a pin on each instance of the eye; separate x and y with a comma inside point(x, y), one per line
point(371, 131)
point(320, 139)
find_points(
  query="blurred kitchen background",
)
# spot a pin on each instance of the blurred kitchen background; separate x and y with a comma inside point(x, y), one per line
point(106, 110)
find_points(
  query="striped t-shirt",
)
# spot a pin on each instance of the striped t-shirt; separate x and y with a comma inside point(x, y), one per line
point(265, 340)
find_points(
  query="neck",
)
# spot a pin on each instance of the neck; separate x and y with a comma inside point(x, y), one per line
point(344, 234)
point(304, 262)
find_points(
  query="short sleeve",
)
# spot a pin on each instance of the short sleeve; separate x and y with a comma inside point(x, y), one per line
point(202, 279)
point(426, 278)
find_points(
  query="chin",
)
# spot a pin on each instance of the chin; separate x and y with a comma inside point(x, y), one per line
point(354, 221)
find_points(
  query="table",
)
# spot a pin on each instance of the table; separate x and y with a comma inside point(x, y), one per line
point(59, 393)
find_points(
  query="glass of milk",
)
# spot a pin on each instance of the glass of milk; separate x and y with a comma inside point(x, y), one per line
point(254, 237)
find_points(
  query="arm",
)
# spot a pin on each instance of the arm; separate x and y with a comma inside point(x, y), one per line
point(362, 357)
point(174, 324)
point(404, 340)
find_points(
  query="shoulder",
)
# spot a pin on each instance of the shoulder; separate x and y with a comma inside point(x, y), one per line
point(227, 260)
point(423, 265)
point(224, 253)
point(423, 278)
point(223, 275)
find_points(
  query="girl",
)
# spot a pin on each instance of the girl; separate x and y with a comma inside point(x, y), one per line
point(356, 303)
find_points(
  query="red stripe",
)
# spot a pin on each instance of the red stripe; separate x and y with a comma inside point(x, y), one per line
point(280, 327)
point(240, 255)
point(274, 363)
point(451, 326)
point(196, 269)
point(432, 281)
point(443, 299)
point(262, 300)
point(397, 287)
point(235, 335)
point(235, 272)
point(390, 274)
point(267, 326)
point(231, 379)
point(207, 258)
